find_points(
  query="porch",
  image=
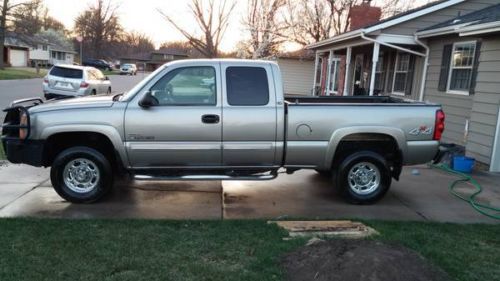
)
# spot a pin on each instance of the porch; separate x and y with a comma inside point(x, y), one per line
point(380, 65)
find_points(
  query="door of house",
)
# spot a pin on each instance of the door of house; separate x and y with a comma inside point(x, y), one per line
point(495, 156)
point(333, 76)
point(357, 81)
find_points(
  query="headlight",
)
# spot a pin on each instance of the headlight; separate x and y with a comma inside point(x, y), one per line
point(23, 121)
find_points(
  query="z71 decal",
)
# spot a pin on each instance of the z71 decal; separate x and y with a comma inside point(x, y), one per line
point(422, 130)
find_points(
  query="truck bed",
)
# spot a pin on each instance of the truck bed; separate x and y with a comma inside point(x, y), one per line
point(347, 99)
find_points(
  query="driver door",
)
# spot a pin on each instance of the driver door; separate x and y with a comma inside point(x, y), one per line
point(184, 128)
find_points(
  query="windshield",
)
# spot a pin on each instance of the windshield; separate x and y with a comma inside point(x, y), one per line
point(141, 84)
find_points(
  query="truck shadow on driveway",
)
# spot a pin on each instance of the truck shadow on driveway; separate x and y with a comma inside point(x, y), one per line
point(304, 194)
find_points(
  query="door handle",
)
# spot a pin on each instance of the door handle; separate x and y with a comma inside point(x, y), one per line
point(210, 119)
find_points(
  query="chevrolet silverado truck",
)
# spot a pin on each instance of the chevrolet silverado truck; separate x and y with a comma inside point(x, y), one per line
point(220, 120)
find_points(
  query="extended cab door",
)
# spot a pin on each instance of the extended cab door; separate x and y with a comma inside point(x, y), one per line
point(185, 128)
point(249, 115)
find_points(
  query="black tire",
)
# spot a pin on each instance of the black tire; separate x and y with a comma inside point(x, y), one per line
point(93, 92)
point(103, 183)
point(371, 194)
point(109, 91)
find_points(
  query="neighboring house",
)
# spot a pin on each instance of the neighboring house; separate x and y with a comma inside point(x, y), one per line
point(152, 60)
point(458, 41)
point(297, 71)
point(16, 52)
point(23, 50)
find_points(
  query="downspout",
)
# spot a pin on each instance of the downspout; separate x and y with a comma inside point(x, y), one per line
point(426, 66)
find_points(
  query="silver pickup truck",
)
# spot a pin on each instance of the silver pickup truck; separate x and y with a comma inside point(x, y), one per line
point(220, 120)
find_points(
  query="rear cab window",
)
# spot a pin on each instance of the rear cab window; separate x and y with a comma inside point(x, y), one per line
point(66, 72)
point(247, 86)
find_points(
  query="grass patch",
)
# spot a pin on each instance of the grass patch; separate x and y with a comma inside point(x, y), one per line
point(21, 73)
point(2, 153)
point(467, 252)
point(110, 72)
point(42, 249)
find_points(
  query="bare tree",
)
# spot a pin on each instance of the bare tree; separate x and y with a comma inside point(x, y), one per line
point(212, 21)
point(33, 17)
point(266, 27)
point(311, 21)
point(5, 11)
point(99, 26)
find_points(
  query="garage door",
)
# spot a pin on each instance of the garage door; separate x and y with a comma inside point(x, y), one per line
point(18, 58)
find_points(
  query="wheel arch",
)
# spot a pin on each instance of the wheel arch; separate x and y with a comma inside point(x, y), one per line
point(83, 133)
point(364, 134)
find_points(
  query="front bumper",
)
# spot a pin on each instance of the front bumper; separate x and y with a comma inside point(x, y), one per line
point(27, 152)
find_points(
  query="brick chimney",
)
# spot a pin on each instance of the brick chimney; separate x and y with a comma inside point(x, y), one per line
point(364, 14)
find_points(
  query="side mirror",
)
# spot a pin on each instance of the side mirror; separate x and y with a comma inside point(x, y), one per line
point(148, 100)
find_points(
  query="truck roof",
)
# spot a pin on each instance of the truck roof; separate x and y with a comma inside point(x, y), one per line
point(235, 61)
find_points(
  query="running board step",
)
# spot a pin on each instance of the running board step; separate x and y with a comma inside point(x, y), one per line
point(202, 177)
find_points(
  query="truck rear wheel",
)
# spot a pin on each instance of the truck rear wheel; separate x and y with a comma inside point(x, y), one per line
point(81, 175)
point(364, 177)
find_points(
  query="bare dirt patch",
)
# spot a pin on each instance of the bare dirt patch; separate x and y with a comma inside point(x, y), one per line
point(359, 260)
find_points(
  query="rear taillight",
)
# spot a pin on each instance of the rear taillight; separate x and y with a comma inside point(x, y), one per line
point(84, 85)
point(23, 121)
point(439, 125)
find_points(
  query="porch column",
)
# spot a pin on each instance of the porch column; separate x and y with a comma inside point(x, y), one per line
point(376, 51)
point(316, 61)
point(347, 71)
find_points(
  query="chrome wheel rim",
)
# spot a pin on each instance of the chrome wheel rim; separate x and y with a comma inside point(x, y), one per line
point(81, 175)
point(364, 178)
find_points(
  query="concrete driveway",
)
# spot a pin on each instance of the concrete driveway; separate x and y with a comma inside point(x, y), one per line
point(11, 90)
point(26, 191)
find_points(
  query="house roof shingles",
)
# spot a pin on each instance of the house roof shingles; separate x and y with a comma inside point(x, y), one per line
point(486, 15)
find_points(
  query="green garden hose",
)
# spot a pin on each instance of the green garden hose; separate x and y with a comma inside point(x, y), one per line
point(489, 211)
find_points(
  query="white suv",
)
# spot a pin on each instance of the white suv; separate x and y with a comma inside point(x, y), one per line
point(65, 81)
point(128, 68)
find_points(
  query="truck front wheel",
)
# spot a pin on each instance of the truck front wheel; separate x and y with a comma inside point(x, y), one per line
point(364, 177)
point(81, 175)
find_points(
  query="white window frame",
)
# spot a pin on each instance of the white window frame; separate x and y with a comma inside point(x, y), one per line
point(333, 63)
point(396, 61)
point(450, 71)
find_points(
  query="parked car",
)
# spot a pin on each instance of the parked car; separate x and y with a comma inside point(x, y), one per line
point(169, 127)
point(64, 81)
point(99, 64)
point(128, 69)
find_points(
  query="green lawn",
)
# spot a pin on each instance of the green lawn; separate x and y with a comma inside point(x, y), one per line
point(42, 249)
point(2, 153)
point(21, 73)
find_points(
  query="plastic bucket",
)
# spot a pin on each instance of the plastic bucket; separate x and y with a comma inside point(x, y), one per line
point(463, 164)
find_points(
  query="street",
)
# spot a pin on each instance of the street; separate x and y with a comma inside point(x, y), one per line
point(11, 90)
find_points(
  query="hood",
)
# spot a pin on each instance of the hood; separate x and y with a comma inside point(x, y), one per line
point(74, 103)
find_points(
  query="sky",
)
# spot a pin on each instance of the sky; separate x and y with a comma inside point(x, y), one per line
point(142, 16)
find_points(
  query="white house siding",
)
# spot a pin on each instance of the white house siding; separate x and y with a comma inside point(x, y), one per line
point(486, 101)
point(298, 76)
point(39, 54)
point(67, 58)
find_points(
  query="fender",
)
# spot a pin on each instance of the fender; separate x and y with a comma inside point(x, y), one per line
point(339, 134)
point(109, 131)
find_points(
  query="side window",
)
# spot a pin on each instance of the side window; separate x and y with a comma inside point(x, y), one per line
point(91, 75)
point(98, 74)
point(247, 86)
point(187, 86)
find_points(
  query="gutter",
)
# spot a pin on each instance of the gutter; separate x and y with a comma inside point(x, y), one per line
point(392, 45)
point(426, 66)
